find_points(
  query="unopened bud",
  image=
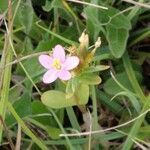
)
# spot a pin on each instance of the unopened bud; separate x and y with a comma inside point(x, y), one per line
point(84, 39)
point(98, 42)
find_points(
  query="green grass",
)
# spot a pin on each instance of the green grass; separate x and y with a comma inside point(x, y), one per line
point(94, 99)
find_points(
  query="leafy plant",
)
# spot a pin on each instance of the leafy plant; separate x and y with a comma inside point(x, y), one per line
point(106, 89)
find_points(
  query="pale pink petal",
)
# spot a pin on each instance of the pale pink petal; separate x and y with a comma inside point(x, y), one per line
point(71, 62)
point(46, 61)
point(64, 75)
point(59, 53)
point(50, 76)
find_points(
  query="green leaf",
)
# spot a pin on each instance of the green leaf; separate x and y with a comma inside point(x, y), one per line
point(32, 66)
point(117, 27)
point(27, 15)
point(72, 86)
point(28, 47)
point(69, 87)
point(15, 92)
point(22, 107)
point(53, 132)
point(112, 88)
point(44, 44)
point(57, 99)
point(118, 20)
point(92, 22)
point(49, 5)
point(132, 99)
point(39, 109)
point(111, 105)
point(97, 68)
point(144, 132)
point(89, 78)
point(3, 5)
point(117, 40)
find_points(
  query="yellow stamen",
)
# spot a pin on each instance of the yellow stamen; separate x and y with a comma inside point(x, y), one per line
point(56, 64)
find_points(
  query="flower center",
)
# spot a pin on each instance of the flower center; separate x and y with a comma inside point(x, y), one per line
point(56, 64)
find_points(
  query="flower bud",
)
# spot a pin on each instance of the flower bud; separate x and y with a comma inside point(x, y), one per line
point(98, 42)
point(84, 39)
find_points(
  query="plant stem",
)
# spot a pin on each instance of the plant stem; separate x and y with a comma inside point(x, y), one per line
point(134, 11)
point(140, 37)
point(94, 101)
point(132, 77)
point(136, 126)
point(67, 7)
point(39, 142)
point(62, 129)
point(73, 119)
point(6, 73)
point(56, 35)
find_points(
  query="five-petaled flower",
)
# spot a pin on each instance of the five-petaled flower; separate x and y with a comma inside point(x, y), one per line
point(58, 65)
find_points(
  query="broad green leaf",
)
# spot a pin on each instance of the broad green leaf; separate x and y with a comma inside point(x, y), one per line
point(40, 112)
point(53, 132)
point(44, 45)
point(32, 66)
point(97, 68)
point(117, 32)
point(28, 47)
point(69, 87)
point(92, 21)
point(26, 15)
point(49, 5)
point(22, 107)
point(113, 17)
point(117, 27)
point(97, 18)
point(117, 40)
point(117, 20)
point(15, 92)
point(57, 99)
point(89, 78)
point(72, 86)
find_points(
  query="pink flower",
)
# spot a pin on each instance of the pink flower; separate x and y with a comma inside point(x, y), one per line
point(58, 65)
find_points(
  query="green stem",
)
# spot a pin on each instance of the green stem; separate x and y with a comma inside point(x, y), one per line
point(132, 77)
point(5, 89)
point(134, 11)
point(127, 64)
point(39, 142)
point(94, 101)
point(62, 129)
point(141, 37)
point(6, 73)
point(73, 119)
point(136, 126)
point(95, 125)
point(76, 19)
point(56, 35)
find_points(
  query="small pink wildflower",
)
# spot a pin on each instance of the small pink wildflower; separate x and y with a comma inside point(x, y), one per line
point(58, 65)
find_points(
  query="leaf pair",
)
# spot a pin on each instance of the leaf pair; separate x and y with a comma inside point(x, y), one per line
point(58, 99)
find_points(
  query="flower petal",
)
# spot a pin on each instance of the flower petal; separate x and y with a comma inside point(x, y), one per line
point(64, 75)
point(59, 53)
point(71, 62)
point(50, 76)
point(46, 61)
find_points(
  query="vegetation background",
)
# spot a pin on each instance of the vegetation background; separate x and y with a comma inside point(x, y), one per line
point(117, 113)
